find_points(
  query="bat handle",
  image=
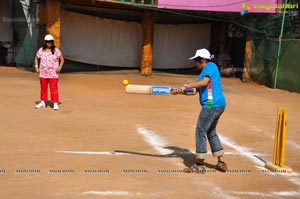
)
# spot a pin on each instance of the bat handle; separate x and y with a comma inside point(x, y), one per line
point(188, 90)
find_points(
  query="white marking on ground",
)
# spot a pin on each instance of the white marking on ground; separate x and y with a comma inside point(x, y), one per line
point(93, 152)
point(287, 193)
point(220, 192)
point(154, 140)
point(158, 144)
point(289, 143)
point(294, 180)
point(271, 194)
point(260, 165)
point(293, 177)
point(108, 193)
point(292, 144)
point(262, 168)
point(257, 129)
point(240, 149)
point(254, 194)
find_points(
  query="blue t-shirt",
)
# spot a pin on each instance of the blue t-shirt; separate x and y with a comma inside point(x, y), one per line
point(211, 96)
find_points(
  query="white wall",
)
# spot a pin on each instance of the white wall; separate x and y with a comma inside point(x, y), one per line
point(109, 42)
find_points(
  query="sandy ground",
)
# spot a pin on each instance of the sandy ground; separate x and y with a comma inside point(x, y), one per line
point(47, 154)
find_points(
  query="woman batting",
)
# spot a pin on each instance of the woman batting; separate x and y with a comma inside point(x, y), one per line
point(213, 104)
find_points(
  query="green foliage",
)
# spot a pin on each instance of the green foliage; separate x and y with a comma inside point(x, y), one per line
point(271, 25)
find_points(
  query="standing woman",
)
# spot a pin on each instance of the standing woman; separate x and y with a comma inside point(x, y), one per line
point(213, 103)
point(51, 62)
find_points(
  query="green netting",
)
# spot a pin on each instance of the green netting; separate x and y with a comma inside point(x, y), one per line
point(264, 63)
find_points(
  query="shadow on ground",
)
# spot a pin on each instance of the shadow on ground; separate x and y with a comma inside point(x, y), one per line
point(188, 158)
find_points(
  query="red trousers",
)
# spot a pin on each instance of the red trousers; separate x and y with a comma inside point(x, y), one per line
point(53, 82)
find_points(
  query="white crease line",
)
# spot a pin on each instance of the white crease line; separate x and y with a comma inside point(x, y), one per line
point(287, 193)
point(260, 165)
point(293, 177)
point(290, 143)
point(293, 144)
point(295, 180)
point(221, 193)
point(254, 194)
point(154, 140)
point(241, 150)
point(93, 152)
point(292, 174)
point(108, 193)
point(158, 143)
point(271, 194)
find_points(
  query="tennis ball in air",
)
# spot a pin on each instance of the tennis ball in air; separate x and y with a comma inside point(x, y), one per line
point(125, 82)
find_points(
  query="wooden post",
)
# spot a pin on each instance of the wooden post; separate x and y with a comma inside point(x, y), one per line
point(248, 52)
point(50, 20)
point(147, 44)
point(247, 60)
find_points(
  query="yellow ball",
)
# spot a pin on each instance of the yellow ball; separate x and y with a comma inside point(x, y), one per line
point(125, 82)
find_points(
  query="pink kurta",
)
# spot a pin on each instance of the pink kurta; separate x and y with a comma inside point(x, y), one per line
point(48, 63)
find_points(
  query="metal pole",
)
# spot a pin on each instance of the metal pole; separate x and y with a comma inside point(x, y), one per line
point(279, 45)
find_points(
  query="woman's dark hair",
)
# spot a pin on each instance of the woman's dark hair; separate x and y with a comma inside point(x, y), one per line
point(52, 47)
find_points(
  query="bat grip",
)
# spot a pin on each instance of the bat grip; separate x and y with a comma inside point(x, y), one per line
point(188, 90)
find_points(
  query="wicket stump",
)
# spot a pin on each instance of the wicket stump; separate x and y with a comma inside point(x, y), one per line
point(279, 144)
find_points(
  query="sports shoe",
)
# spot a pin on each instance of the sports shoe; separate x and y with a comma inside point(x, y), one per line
point(221, 166)
point(195, 169)
point(55, 106)
point(41, 105)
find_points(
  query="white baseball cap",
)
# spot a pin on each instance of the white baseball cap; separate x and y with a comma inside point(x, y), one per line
point(49, 38)
point(203, 53)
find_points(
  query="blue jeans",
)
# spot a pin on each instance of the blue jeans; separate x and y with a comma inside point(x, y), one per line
point(206, 127)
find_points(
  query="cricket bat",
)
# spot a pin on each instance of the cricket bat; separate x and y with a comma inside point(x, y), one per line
point(152, 89)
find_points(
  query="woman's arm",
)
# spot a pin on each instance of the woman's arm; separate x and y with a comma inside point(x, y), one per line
point(195, 85)
point(36, 64)
point(199, 84)
point(61, 63)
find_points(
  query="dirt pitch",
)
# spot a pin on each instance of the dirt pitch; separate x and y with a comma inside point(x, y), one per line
point(69, 154)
